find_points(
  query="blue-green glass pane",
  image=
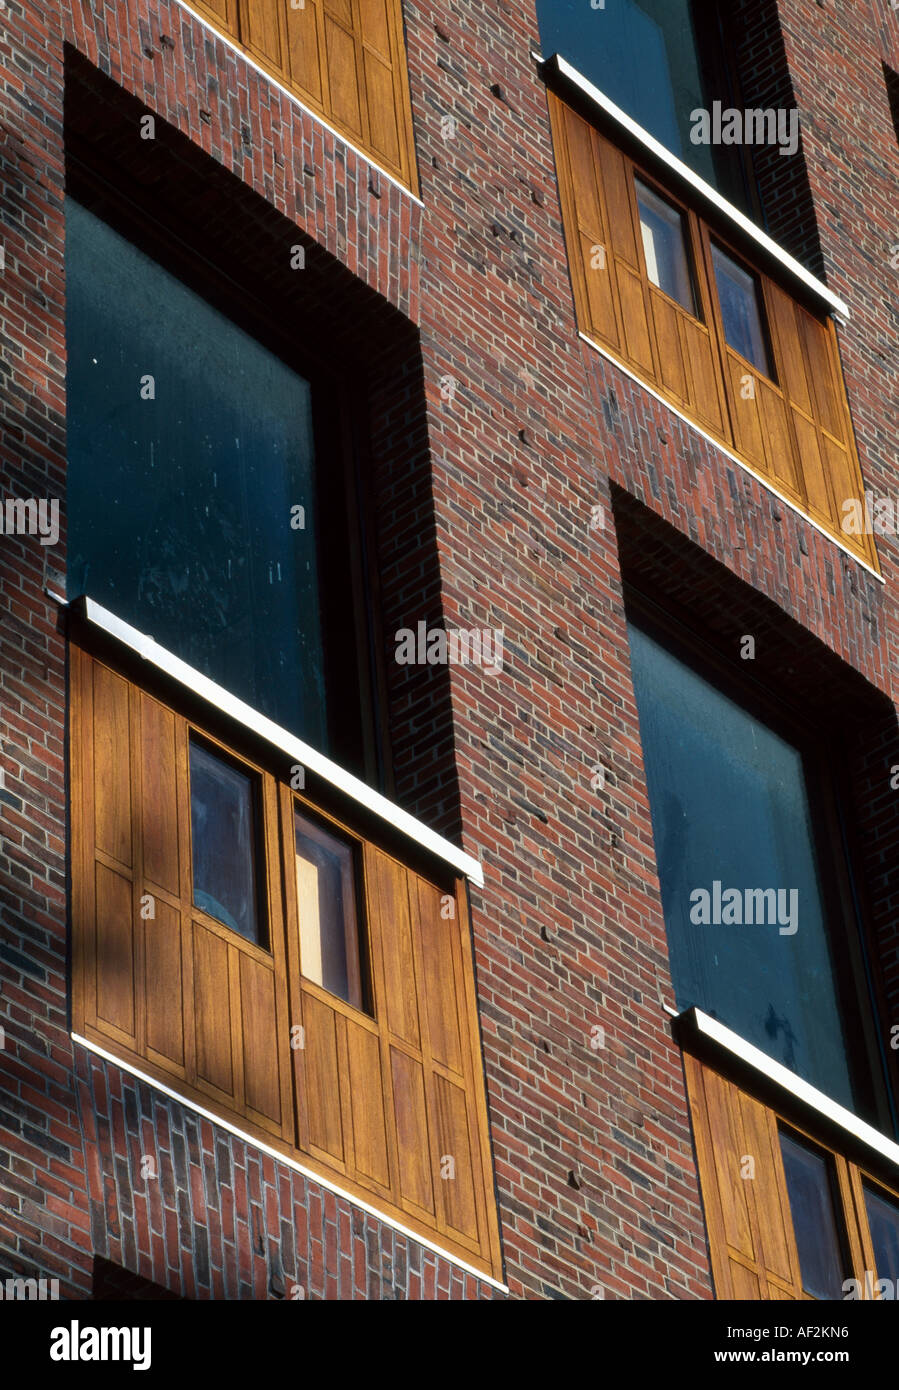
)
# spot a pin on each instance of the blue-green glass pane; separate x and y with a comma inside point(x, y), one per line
point(180, 490)
point(644, 57)
point(814, 1223)
point(738, 295)
point(883, 1219)
point(223, 836)
point(730, 808)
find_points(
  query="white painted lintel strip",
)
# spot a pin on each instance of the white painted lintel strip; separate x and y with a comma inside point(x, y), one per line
point(706, 191)
point(292, 96)
point(279, 1157)
point(747, 468)
point(294, 748)
point(732, 1042)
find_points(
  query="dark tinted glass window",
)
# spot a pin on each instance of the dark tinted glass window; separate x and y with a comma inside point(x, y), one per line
point(883, 1218)
point(665, 247)
point(810, 1188)
point(181, 489)
point(658, 60)
point(224, 842)
point(741, 310)
point(730, 808)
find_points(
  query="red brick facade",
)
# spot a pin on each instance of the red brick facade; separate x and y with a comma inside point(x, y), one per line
point(483, 501)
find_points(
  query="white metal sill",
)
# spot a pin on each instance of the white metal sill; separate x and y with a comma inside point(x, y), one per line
point(700, 1024)
point(252, 1142)
point(292, 96)
point(711, 195)
point(294, 748)
point(722, 448)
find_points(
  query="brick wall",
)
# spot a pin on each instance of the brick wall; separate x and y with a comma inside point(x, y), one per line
point(483, 502)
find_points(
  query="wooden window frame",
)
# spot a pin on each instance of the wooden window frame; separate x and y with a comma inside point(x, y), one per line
point(856, 974)
point(793, 431)
point(372, 1102)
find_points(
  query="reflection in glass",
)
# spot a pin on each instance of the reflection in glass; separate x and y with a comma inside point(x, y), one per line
point(738, 295)
point(809, 1185)
point(189, 447)
point(326, 903)
point(223, 842)
point(883, 1218)
point(730, 805)
point(664, 246)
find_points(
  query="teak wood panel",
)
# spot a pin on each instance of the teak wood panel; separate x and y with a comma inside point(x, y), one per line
point(747, 1206)
point(344, 58)
point(792, 429)
point(388, 1103)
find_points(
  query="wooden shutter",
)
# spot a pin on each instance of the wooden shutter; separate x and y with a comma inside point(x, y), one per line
point(826, 460)
point(344, 58)
point(391, 1105)
point(665, 344)
point(157, 976)
point(394, 1102)
point(750, 1231)
point(793, 432)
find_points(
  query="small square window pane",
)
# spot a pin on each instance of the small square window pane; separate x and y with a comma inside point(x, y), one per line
point(224, 842)
point(738, 295)
point(883, 1218)
point(665, 248)
point(326, 903)
point(814, 1221)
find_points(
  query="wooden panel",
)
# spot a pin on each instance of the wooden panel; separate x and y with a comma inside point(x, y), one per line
point(159, 800)
point(743, 1188)
point(112, 781)
point(413, 1142)
point(745, 412)
point(828, 391)
point(223, 14)
point(817, 491)
point(261, 30)
point(777, 442)
point(672, 366)
point(115, 952)
point(392, 911)
point(705, 386)
point(163, 985)
point(304, 49)
point(381, 109)
point(321, 1078)
point(211, 1010)
point(343, 79)
point(439, 984)
point(617, 189)
point(262, 1084)
point(455, 1175)
point(367, 1100)
point(636, 324)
